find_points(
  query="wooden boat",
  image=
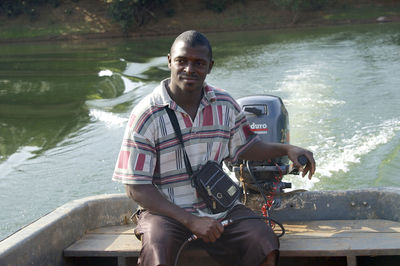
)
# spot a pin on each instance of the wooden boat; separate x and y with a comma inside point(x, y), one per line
point(353, 227)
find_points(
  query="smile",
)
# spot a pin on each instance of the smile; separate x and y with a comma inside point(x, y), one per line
point(188, 78)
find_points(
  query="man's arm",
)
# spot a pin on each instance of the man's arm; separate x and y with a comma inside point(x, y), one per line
point(262, 150)
point(151, 199)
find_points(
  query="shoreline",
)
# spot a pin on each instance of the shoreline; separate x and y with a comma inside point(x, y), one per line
point(152, 34)
point(89, 22)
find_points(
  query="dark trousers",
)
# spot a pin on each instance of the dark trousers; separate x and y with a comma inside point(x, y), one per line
point(247, 242)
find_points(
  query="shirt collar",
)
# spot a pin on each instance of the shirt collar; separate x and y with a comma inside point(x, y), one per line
point(162, 98)
point(160, 94)
point(209, 93)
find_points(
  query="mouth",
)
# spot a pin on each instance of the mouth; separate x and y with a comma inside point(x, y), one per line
point(188, 78)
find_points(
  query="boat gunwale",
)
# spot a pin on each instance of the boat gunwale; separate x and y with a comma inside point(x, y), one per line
point(45, 239)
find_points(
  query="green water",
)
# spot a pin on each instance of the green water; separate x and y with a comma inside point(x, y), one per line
point(64, 105)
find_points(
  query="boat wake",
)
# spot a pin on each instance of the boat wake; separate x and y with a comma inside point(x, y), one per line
point(334, 157)
point(108, 118)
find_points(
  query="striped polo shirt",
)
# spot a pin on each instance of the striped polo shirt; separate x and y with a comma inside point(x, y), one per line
point(151, 154)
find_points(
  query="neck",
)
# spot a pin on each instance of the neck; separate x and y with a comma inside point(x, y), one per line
point(187, 100)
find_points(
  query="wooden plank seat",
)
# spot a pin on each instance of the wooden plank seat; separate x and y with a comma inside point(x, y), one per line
point(321, 238)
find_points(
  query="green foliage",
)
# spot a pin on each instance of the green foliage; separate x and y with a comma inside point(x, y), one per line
point(216, 5)
point(297, 6)
point(316, 4)
point(130, 12)
point(13, 8)
point(303, 4)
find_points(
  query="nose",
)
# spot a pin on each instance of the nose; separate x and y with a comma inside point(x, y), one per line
point(189, 68)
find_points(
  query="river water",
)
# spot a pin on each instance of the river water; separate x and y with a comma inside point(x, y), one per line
point(64, 105)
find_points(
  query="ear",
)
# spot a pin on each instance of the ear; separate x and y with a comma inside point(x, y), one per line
point(210, 66)
point(169, 61)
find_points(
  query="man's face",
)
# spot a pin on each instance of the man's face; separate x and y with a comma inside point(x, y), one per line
point(189, 66)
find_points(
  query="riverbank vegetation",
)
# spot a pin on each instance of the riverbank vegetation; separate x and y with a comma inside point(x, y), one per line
point(75, 19)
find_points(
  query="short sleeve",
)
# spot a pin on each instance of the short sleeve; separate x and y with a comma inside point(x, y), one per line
point(137, 156)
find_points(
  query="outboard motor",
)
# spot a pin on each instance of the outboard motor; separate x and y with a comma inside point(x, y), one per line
point(269, 119)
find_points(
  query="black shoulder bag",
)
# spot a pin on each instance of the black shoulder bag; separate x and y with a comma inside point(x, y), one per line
point(213, 185)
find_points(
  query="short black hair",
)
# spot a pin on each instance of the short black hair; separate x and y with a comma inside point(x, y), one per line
point(193, 38)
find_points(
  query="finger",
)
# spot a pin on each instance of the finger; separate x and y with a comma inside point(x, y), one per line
point(310, 166)
point(215, 237)
point(297, 165)
point(305, 171)
point(312, 170)
point(205, 239)
point(220, 228)
point(217, 232)
point(212, 236)
point(208, 237)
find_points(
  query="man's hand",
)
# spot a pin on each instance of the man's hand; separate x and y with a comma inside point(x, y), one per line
point(206, 228)
point(151, 199)
point(262, 150)
point(295, 152)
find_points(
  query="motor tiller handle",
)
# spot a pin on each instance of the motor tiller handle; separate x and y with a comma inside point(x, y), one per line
point(302, 159)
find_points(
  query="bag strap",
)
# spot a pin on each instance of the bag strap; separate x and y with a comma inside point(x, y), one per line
point(177, 129)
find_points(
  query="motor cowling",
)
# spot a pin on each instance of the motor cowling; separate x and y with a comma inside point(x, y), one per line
point(267, 117)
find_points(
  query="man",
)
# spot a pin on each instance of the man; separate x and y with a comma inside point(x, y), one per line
point(151, 164)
